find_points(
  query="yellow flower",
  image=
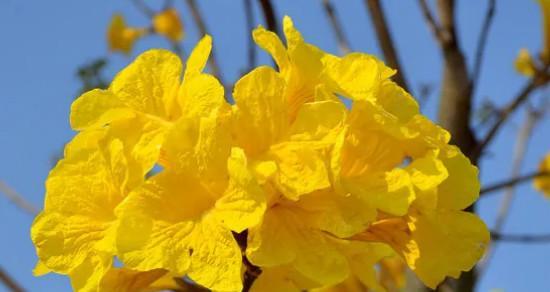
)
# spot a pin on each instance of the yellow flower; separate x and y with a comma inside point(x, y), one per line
point(121, 37)
point(542, 183)
point(524, 63)
point(75, 233)
point(150, 91)
point(168, 24)
point(182, 223)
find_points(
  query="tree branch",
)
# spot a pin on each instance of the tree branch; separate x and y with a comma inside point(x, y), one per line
point(430, 20)
point(521, 238)
point(385, 40)
point(146, 10)
point(269, 16)
point(201, 25)
point(512, 182)
point(251, 55)
point(520, 98)
point(251, 272)
point(17, 199)
point(343, 43)
point(482, 42)
point(9, 282)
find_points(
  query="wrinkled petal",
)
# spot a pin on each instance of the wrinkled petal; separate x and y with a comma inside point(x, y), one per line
point(261, 110)
point(243, 203)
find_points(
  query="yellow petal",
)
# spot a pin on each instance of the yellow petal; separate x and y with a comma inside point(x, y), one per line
point(261, 110)
point(149, 84)
point(65, 242)
point(462, 186)
point(427, 172)
point(243, 203)
point(87, 276)
point(542, 183)
point(201, 96)
point(271, 43)
point(126, 280)
point(318, 120)
point(168, 23)
point(301, 170)
point(342, 216)
point(444, 244)
point(97, 108)
point(397, 101)
point(198, 58)
point(524, 63)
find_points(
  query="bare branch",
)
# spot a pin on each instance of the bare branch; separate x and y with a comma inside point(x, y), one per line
point(430, 20)
point(521, 238)
point(385, 40)
point(17, 199)
point(522, 141)
point(249, 13)
point(201, 25)
point(512, 182)
point(520, 98)
point(269, 16)
point(482, 42)
point(343, 42)
point(9, 282)
point(141, 6)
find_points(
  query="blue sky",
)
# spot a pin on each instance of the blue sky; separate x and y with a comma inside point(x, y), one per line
point(43, 42)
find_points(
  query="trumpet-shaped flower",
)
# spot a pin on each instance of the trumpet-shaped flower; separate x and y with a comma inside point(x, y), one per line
point(75, 234)
point(182, 219)
point(150, 91)
point(168, 24)
point(121, 37)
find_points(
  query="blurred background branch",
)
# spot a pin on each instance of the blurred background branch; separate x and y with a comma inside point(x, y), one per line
point(17, 199)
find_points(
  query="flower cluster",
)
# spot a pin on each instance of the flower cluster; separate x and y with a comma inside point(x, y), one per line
point(325, 166)
point(121, 37)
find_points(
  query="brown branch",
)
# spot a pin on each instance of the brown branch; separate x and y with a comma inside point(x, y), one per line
point(520, 98)
point(9, 282)
point(251, 272)
point(430, 20)
point(201, 25)
point(385, 40)
point(512, 182)
point(17, 199)
point(521, 238)
point(482, 43)
point(343, 42)
point(269, 16)
point(141, 6)
point(522, 141)
point(249, 13)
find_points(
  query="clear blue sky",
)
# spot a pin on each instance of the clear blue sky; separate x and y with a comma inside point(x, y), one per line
point(43, 42)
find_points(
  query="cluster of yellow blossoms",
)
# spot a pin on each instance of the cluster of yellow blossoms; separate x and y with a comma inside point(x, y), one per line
point(164, 174)
point(122, 37)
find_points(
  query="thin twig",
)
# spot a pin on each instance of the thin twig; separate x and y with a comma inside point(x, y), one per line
point(17, 199)
point(343, 42)
point(521, 238)
point(9, 282)
point(201, 25)
point(251, 55)
point(519, 153)
point(512, 182)
point(430, 20)
point(251, 272)
point(139, 4)
point(385, 40)
point(482, 43)
point(520, 98)
point(269, 16)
